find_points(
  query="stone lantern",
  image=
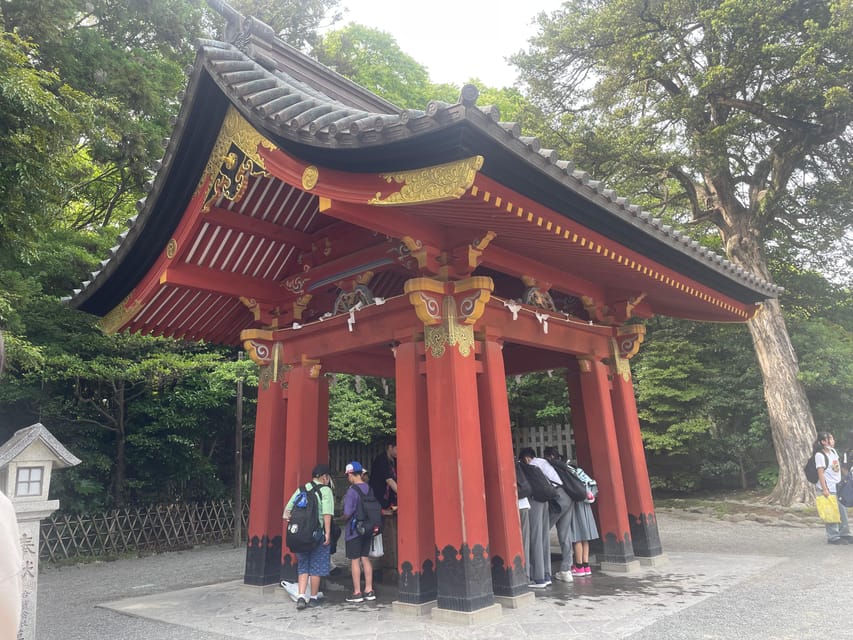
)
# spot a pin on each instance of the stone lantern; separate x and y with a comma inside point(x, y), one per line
point(27, 461)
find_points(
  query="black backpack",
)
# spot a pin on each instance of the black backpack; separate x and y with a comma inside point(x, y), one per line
point(368, 513)
point(810, 469)
point(572, 485)
point(304, 532)
point(521, 484)
point(541, 488)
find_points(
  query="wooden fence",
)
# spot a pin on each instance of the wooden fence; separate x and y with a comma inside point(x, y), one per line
point(181, 525)
point(154, 528)
point(540, 437)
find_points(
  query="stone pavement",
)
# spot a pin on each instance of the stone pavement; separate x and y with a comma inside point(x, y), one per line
point(742, 580)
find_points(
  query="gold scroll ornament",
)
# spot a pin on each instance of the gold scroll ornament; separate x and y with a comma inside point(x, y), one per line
point(449, 311)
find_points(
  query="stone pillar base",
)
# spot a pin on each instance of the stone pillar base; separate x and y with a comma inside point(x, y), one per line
point(621, 567)
point(414, 610)
point(653, 561)
point(261, 589)
point(468, 618)
point(516, 602)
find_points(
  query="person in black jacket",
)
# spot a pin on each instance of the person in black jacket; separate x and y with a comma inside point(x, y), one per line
point(540, 517)
point(524, 492)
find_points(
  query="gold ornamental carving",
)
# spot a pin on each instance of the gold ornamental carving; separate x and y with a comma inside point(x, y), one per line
point(629, 337)
point(234, 159)
point(171, 248)
point(619, 365)
point(449, 311)
point(431, 184)
point(623, 346)
point(120, 315)
point(310, 177)
point(268, 354)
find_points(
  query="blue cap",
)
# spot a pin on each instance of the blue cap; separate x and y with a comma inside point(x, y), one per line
point(354, 467)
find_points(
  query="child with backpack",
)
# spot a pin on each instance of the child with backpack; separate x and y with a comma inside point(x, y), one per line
point(308, 525)
point(363, 515)
point(828, 476)
point(583, 527)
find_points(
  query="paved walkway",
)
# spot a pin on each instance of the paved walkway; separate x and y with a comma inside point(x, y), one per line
point(740, 580)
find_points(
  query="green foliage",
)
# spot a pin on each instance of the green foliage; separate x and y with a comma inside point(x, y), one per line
point(700, 405)
point(361, 409)
point(536, 399)
point(297, 22)
point(373, 59)
point(768, 477)
point(40, 118)
point(737, 113)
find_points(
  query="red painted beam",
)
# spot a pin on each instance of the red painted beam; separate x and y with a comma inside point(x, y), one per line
point(254, 226)
point(221, 282)
point(340, 185)
point(575, 337)
point(375, 326)
point(517, 265)
point(390, 221)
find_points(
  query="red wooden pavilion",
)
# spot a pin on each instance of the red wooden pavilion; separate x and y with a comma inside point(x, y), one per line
point(327, 230)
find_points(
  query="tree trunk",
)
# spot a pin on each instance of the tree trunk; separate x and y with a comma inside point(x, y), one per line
point(119, 469)
point(120, 462)
point(791, 422)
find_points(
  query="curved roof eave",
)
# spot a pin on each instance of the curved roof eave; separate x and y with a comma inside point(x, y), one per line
point(345, 134)
point(332, 134)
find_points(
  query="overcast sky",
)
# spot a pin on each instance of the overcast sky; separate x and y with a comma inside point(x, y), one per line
point(455, 39)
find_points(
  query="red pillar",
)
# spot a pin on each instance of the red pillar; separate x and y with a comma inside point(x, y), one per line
point(638, 491)
point(580, 429)
point(263, 551)
point(415, 533)
point(301, 449)
point(509, 577)
point(605, 458)
point(463, 572)
point(449, 311)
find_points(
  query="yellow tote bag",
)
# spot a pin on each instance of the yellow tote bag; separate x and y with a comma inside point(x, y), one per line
point(827, 509)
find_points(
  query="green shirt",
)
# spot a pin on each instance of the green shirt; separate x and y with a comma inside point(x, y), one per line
point(327, 500)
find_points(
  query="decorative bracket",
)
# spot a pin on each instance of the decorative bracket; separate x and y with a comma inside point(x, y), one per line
point(449, 311)
point(234, 159)
point(538, 294)
point(265, 313)
point(623, 346)
point(430, 260)
point(353, 293)
point(267, 353)
point(466, 258)
point(614, 313)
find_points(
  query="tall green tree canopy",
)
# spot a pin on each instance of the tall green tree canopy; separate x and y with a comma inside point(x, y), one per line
point(373, 59)
point(734, 114)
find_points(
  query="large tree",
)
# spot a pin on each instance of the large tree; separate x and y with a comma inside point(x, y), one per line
point(737, 112)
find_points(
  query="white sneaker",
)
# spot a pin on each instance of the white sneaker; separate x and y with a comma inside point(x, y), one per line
point(564, 576)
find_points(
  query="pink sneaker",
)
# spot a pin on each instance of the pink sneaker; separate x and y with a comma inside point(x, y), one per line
point(578, 571)
point(587, 571)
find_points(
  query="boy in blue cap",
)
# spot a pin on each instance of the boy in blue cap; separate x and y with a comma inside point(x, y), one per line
point(357, 545)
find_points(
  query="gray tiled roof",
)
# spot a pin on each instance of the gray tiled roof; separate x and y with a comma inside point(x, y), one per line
point(293, 99)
